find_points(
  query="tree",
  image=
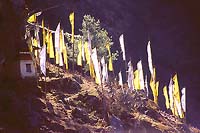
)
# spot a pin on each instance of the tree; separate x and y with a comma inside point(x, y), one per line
point(99, 39)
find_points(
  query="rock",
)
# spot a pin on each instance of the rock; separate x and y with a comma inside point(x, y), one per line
point(50, 107)
point(70, 86)
point(116, 122)
point(78, 79)
point(93, 102)
point(81, 114)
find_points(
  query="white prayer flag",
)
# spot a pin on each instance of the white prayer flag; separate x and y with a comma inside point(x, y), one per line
point(57, 38)
point(183, 99)
point(150, 57)
point(121, 40)
point(83, 52)
point(37, 36)
point(178, 106)
point(104, 71)
point(171, 99)
point(89, 44)
point(130, 76)
point(96, 66)
point(120, 79)
point(141, 77)
point(61, 45)
point(43, 60)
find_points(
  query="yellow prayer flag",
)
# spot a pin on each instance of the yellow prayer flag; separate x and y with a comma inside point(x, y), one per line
point(79, 59)
point(91, 67)
point(32, 19)
point(87, 55)
point(63, 49)
point(61, 42)
point(156, 89)
point(51, 53)
point(175, 110)
point(157, 86)
point(65, 56)
point(35, 44)
point(166, 97)
point(47, 40)
point(71, 18)
point(136, 80)
point(110, 65)
point(57, 57)
point(154, 86)
point(176, 88)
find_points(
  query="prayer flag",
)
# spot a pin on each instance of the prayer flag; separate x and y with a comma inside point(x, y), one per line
point(166, 97)
point(71, 18)
point(79, 59)
point(43, 60)
point(141, 77)
point(149, 58)
point(121, 40)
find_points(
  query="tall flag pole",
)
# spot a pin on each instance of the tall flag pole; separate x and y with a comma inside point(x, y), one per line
point(157, 86)
point(150, 57)
point(176, 95)
point(141, 76)
point(165, 93)
point(43, 60)
point(51, 54)
point(57, 43)
point(47, 40)
point(183, 101)
point(121, 40)
point(64, 49)
point(83, 53)
point(71, 18)
point(61, 49)
point(96, 66)
point(130, 76)
point(153, 85)
point(171, 98)
point(120, 80)
point(79, 57)
point(104, 71)
point(37, 36)
point(136, 80)
point(110, 65)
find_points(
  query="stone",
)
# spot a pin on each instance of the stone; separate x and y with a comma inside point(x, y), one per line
point(78, 79)
point(81, 114)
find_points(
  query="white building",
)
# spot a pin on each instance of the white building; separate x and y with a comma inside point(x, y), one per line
point(27, 68)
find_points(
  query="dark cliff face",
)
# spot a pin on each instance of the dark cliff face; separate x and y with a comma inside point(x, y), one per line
point(10, 38)
point(172, 27)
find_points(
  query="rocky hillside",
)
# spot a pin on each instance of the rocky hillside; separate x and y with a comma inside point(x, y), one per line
point(172, 27)
point(69, 102)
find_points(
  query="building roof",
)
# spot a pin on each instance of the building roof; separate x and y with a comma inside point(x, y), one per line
point(25, 56)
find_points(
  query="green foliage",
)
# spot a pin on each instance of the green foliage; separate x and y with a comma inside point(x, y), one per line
point(99, 39)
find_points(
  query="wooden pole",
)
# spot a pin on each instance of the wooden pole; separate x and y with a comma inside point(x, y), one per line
point(73, 57)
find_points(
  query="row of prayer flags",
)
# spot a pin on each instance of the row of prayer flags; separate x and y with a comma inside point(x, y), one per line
point(135, 79)
point(172, 102)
